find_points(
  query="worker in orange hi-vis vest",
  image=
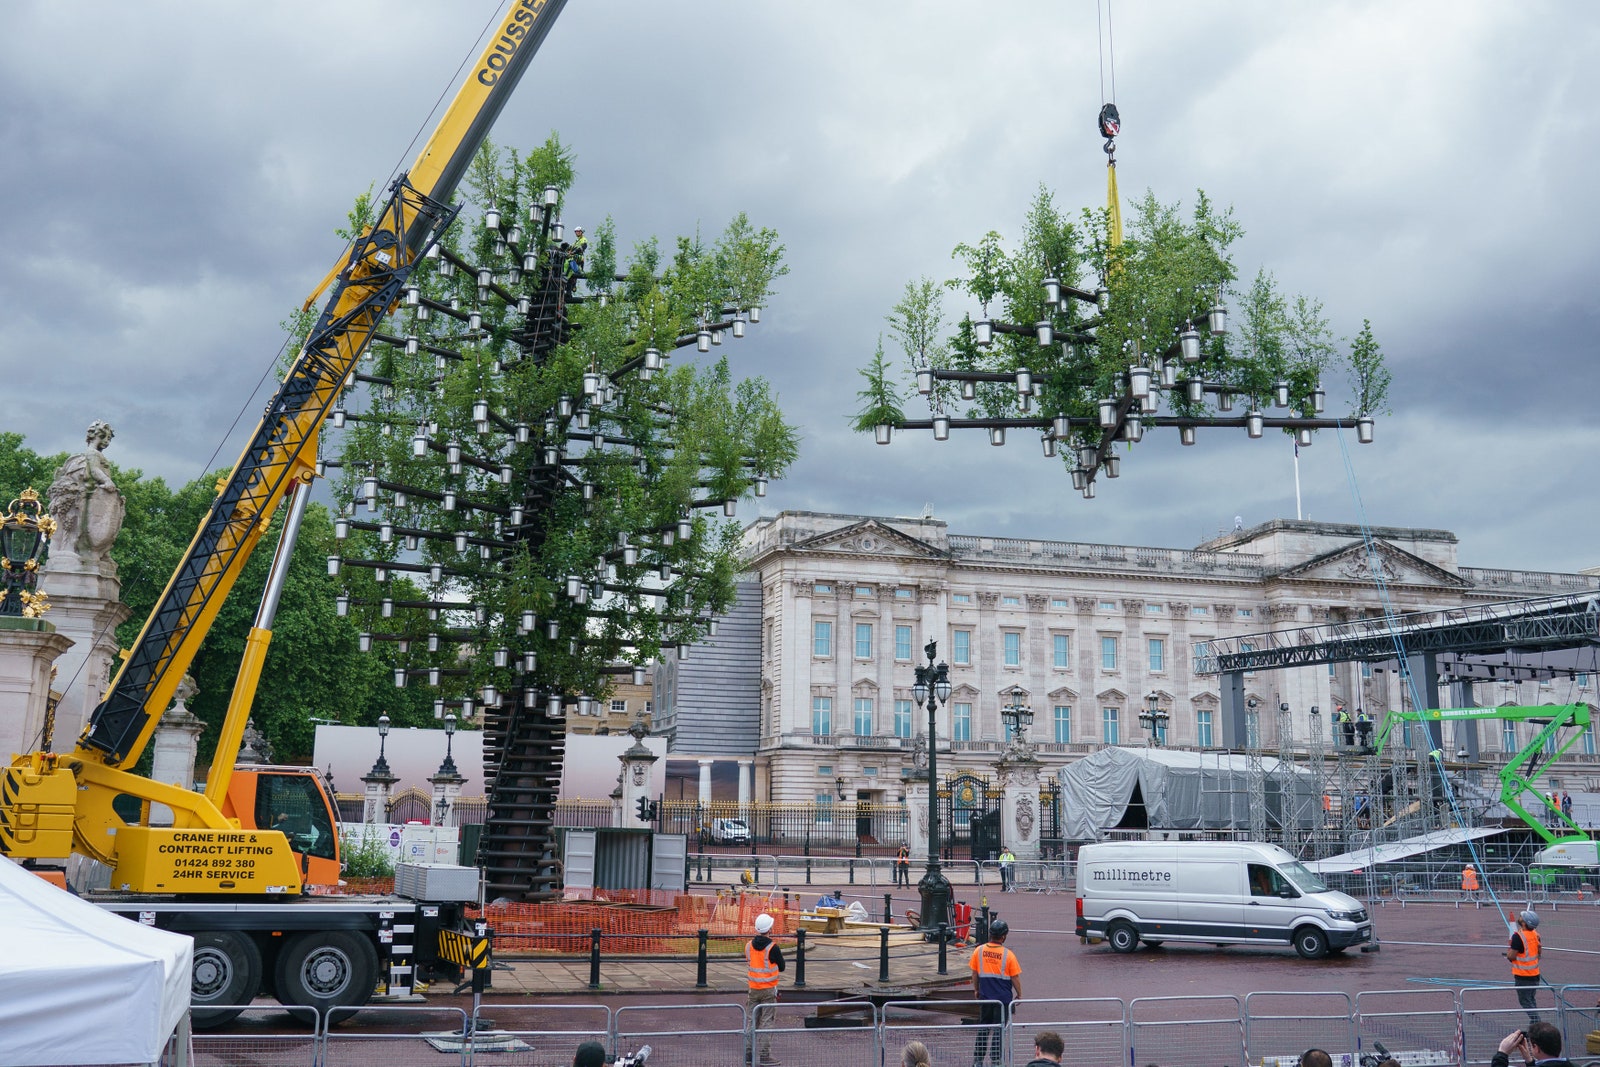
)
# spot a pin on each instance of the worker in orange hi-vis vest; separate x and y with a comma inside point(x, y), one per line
point(764, 962)
point(1469, 879)
point(997, 981)
point(1523, 952)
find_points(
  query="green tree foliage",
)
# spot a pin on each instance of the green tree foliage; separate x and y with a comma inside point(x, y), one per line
point(1170, 271)
point(1369, 376)
point(313, 668)
point(880, 399)
point(22, 468)
point(604, 493)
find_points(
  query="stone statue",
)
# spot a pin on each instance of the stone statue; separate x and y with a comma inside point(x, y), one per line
point(85, 502)
point(254, 747)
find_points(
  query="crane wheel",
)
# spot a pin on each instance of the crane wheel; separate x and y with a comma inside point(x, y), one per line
point(328, 969)
point(227, 970)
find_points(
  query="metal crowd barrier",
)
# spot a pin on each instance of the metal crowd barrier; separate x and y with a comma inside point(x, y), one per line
point(829, 1034)
point(537, 1035)
point(720, 1037)
point(1095, 1029)
point(273, 1036)
point(1580, 1016)
point(1418, 1021)
point(1282, 1025)
point(1423, 1027)
point(948, 1043)
point(423, 1035)
point(1177, 1030)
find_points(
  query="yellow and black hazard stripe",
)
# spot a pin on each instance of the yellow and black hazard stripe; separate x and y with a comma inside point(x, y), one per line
point(464, 950)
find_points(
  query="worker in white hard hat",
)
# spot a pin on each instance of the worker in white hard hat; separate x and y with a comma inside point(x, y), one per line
point(764, 961)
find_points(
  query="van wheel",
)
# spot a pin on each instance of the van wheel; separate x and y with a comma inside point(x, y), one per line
point(227, 970)
point(1310, 942)
point(1122, 936)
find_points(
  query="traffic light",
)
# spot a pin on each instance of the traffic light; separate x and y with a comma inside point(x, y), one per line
point(644, 809)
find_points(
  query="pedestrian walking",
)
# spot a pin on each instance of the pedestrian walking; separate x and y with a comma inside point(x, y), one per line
point(764, 962)
point(1523, 952)
point(1008, 870)
point(1469, 880)
point(902, 867)
point(996, 981)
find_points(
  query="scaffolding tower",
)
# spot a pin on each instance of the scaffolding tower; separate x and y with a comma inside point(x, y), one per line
point(1255, 775)
point(1283, 774)
point(1316, 754)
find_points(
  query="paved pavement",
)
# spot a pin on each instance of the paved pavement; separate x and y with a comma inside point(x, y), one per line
point(834, 965)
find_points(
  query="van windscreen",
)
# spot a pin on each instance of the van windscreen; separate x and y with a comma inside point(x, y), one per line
point(1303, 879)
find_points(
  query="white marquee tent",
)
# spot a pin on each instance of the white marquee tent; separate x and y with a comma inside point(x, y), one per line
point(81, 986)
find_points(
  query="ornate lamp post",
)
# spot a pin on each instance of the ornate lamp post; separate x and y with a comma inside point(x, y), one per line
point(380, 779)
point(1154, 718)
point(1018, 717)
point(931, 689)
point(24, 546)
point(447, 776)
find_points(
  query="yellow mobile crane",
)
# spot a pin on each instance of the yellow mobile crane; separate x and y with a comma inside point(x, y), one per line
point(222, 849)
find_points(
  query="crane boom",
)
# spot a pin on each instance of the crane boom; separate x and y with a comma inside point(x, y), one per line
point(55, 803)
point(282, 451)
point(1517, 776)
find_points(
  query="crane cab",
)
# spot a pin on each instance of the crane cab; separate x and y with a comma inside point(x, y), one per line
point(297, 802)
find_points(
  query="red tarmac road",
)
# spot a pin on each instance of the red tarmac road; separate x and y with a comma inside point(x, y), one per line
point(1423, 946)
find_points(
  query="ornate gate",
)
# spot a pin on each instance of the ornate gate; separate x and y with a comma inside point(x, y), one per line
point(969, 816)
point(410, 805)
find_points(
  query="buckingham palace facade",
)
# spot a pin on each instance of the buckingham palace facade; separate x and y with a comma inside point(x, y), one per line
point(1086, 635)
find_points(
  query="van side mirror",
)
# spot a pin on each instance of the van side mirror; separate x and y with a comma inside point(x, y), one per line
point(1288, 892)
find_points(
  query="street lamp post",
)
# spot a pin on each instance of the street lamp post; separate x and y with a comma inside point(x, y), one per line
point(1018, 717)
point(1155, 718)
point(931, 689)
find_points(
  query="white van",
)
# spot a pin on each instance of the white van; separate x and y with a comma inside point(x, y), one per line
point(1212, 892)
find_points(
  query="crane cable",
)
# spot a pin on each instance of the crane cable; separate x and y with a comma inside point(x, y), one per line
point(1434, 758)
point(1110, 122)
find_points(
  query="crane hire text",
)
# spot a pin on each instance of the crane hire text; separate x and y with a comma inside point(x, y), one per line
point(225, 845)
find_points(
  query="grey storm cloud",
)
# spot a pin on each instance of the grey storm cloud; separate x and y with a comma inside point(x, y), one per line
point(175, 172)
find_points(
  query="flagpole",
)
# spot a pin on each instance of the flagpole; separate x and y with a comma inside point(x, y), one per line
point(1297, 513)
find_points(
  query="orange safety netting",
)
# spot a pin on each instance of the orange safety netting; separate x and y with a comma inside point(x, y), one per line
point(633, 922)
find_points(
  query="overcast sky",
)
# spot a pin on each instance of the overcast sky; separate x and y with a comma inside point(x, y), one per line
point(174, 173)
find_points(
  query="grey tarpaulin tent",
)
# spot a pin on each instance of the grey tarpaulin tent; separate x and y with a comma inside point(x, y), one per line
point(1161, 788)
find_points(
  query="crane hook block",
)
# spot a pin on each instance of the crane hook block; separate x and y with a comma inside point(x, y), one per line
point(1110, 121)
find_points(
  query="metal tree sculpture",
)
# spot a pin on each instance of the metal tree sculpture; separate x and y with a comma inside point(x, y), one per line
point(528, 479)
point(1089, 337)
